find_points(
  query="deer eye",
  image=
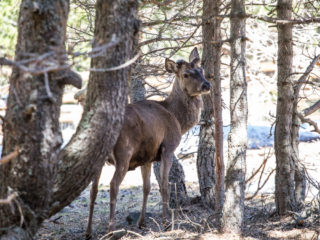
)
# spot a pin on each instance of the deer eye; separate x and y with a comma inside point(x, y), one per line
point(186, 75)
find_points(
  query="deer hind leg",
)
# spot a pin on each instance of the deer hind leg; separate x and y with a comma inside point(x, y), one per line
point(122, 166)
point(145, 172)
point(93, 196)
point(165, 165)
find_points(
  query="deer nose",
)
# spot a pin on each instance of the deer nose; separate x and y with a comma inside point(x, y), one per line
point(206, 86)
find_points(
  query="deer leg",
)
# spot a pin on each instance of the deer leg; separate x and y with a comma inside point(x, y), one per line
point(165, 165)
point(93, 196)
point(122, 167)
point(145, 172)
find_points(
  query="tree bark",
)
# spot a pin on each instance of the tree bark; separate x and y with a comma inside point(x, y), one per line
point(233, 210)
point(217, 104)
point(208, 171)
point(285, 159)
point(46, 178)
point(31, 120)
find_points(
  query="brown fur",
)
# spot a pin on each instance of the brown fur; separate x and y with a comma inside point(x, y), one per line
point(151, 132)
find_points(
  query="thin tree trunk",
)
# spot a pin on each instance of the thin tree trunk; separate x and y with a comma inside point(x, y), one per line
point(285, 160)
point(45, 178)
point(233, 209)
point(299, 171)
point(206, 164)
point(217, 103)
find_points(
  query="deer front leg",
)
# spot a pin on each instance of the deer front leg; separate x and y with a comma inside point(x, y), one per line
point(145, 172)
point(165, 165)
point(93, 196)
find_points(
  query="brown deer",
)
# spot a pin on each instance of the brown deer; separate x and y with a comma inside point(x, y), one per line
point(151, 132)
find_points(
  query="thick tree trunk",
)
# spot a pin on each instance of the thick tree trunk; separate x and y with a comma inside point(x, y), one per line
point(233, 209)
point(45, 178)
point(31, 121)
point(285, 154)
point(105, 101)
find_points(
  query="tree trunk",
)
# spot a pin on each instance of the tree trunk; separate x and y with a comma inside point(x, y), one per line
point(45, 178)
point(217, 104)
point(285, 159)
point(233, 209)
point(31, 120)
point(208, 172)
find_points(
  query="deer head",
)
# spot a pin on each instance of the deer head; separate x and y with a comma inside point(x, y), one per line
point(189, 74)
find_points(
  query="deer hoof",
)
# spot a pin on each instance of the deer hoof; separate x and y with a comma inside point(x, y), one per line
point(140, 223)
point(88, 236)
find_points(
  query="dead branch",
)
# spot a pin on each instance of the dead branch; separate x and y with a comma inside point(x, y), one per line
point(258, 169)
point(114, 235)
point(281, 21)
point(160, 4)
point(307, 120)
point(304, 76)
point(308, 111)
point(260, 187)
point(9, 199)
point(124, 65)
point(166, 21)
point(10, 156)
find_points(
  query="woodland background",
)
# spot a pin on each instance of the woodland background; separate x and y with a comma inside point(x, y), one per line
point(171, 29)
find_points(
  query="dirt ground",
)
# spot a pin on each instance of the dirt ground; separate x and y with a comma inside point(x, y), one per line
point(193, 221)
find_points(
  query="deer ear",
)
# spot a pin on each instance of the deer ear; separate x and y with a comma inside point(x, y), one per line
point(194, 55)
point(170, 65)
point(195, 63)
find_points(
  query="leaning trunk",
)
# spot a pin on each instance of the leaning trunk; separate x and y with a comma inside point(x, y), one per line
point(45, 178)
point(233, 209)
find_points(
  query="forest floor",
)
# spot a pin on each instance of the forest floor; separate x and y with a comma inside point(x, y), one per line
point(193, 221)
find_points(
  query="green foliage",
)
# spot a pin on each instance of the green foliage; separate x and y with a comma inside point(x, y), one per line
point(9, 10)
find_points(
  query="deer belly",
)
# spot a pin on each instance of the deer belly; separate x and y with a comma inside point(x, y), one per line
point(142, 157)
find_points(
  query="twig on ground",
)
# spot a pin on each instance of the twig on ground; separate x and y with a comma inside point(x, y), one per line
point(158, 225)
point(136, 234)
point(114, 235)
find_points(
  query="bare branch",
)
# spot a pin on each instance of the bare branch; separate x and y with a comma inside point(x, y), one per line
point(304, 76)
point(260, 187)
point(281, 21)
point(308, 111)
point(9, 199)
point(307, 120)
point(124, 65)
point(258, 169)
point(10, 156)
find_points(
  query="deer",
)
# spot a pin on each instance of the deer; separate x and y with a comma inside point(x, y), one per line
point(151, 131)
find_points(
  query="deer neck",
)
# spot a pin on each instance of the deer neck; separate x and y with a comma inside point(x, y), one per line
point(184, 107)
